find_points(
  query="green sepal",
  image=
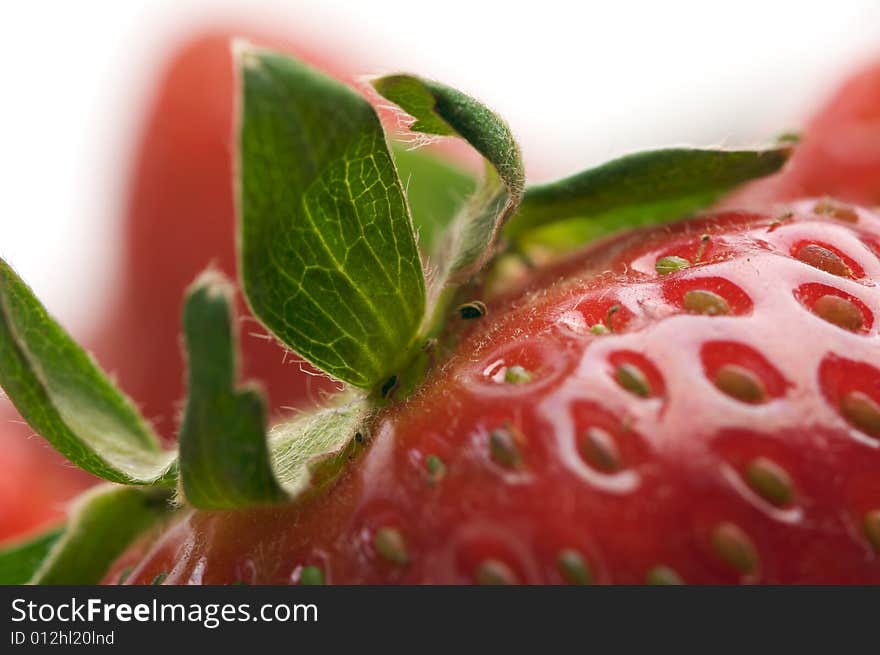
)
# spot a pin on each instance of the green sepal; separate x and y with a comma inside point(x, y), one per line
point(443, 111)
point(227, 459)
point(224, 457)
point(328, 257)
point(66, 398)
point(436, 190)
point(103, 522)
point(470, 241)
point(19, 560)
point(639, 189)
point(310, 451)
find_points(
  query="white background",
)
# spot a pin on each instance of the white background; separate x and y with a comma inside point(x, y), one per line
point(579, 82)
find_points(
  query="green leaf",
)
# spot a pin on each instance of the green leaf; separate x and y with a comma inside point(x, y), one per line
point(103, 523)
point(310, 451)
point(640, 189)
point(328, 257)
point(225, 458)
point(444, 111)
point(567, 234)
point(435, 189)
point(19, 561)
point(440, 110)
point(60, 391)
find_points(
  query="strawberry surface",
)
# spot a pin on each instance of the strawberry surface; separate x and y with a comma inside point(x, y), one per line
point(698, 403)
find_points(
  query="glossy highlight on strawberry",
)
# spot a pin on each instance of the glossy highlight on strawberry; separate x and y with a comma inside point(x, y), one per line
point(572, 476)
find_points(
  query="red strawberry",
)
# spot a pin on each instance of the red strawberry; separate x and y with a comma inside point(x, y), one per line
point(839, 152)
point(25, 458)
point(692, 403)
point(722, 426)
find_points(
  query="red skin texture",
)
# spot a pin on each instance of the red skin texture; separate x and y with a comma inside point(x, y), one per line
point(839, 152)
point(683, 450)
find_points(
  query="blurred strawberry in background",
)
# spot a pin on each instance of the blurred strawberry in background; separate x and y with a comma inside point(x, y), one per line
point(838, 154)
point(179, 219)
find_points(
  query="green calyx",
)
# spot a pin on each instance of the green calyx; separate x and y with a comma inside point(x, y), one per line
point(63, 395)
point(471, 238)
point(645, 188)
point(336, 230)
point(344, 285)
point(102, 524)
